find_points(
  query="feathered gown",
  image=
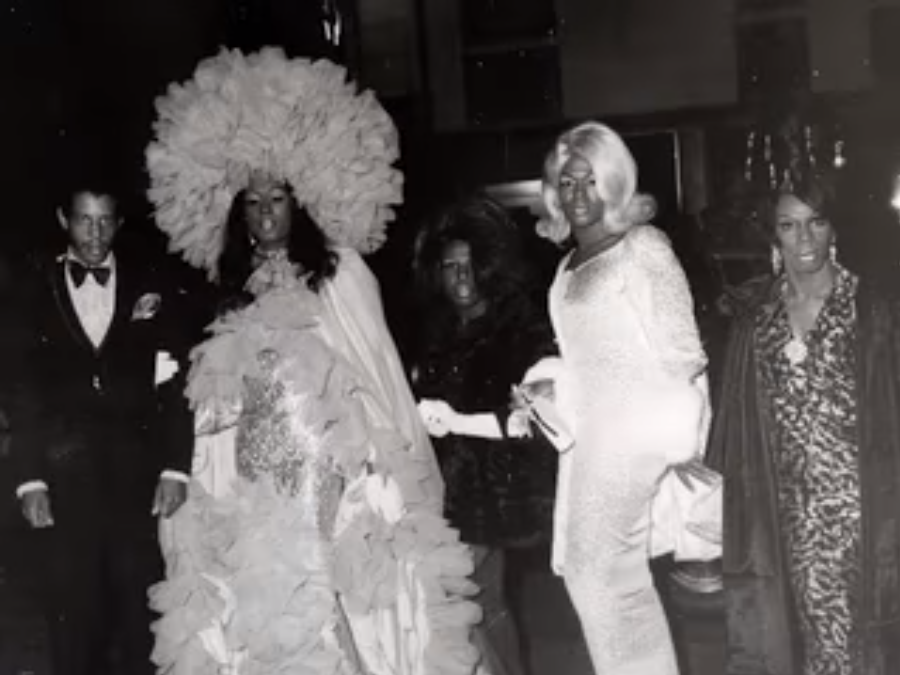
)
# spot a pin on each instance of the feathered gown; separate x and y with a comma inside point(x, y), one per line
point(310, 543)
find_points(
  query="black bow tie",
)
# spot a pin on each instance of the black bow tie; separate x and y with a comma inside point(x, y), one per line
point(79, 273)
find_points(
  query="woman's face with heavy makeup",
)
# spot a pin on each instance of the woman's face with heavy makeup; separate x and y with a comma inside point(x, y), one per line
point(802, 234)
point(583, 206)
point(458, 276)
point(579, 198)
point(267, 210)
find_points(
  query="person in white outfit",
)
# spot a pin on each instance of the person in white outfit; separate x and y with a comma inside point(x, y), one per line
point(630, 390)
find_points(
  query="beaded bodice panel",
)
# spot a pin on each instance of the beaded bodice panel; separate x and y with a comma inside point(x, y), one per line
point(282, 437)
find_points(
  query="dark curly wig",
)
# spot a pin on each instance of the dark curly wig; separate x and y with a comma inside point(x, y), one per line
point(307, 247)
point(502, 273)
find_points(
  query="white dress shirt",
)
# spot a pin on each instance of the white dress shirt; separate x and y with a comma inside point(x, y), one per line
point(94, 303)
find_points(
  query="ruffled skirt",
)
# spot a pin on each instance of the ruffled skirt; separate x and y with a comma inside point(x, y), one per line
point(253, 588)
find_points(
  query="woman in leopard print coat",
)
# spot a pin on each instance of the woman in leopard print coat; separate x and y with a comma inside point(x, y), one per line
point(807, 435)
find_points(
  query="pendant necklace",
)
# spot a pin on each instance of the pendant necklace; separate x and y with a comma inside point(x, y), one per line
point(796, 350)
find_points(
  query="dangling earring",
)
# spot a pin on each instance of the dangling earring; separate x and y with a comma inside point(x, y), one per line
point(777, 261)
point(832, 253)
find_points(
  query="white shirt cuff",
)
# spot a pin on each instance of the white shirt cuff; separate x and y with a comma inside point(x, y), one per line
point(33, 485)
point(175, 475)
point(30, 486)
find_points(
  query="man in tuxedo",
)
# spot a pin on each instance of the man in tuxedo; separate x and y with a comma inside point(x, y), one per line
point(103, 437)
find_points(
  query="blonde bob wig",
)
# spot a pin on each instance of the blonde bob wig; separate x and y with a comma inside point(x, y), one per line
point(615, 173)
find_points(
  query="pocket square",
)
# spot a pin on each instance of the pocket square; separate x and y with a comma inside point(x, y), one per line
point(166, 368)
point(146, 307)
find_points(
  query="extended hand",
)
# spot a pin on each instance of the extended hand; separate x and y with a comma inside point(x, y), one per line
point(695, 470)
point(170, 495)
point(518, 424)
point(36, 509)
point(437, 416)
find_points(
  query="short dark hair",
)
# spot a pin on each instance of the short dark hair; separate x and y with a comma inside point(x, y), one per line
point(86, 166)
point(67, 200)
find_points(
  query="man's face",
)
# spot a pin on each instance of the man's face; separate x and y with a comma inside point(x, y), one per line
point(92, 224)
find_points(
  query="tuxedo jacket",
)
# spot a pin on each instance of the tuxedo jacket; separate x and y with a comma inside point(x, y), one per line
point(94, 418)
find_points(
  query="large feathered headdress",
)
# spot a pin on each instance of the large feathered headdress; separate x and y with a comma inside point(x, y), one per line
point(294, 119)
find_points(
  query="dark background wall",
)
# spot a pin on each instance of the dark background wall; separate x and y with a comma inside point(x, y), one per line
point(479, 89)
point(84, 74)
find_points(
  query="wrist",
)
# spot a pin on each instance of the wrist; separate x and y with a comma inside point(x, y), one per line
point(480, 425)
point(456, 423)
point(31, 486)
point(178, 476)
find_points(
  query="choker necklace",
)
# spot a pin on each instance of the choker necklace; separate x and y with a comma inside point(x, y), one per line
point(261, 256)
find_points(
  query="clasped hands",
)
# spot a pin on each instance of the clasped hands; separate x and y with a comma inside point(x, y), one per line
point(441, 419)
point(170, 495)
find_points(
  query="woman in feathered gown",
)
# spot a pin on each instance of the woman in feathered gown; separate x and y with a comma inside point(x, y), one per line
point(629, 385)
point(312, 540)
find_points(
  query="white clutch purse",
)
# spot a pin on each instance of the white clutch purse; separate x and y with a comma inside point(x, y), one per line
point(544, 415)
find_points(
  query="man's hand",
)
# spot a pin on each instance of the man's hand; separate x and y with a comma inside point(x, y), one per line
point(170, 495)
point(36, 509)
